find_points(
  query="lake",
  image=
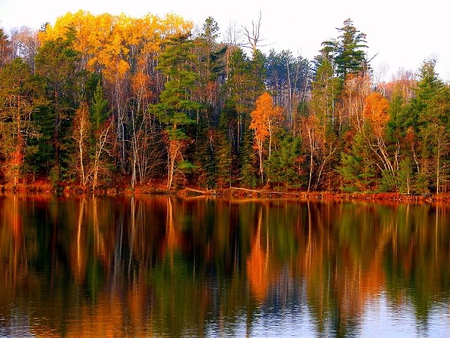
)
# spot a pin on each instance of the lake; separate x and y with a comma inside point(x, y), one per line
point(172, 267)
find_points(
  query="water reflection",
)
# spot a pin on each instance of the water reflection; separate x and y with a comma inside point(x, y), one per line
point(163, 266)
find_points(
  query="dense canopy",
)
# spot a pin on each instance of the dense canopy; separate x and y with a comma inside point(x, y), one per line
point(105, 101)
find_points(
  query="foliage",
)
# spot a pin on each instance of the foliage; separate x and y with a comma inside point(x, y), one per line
point(265, 120)
point(285, 163)
point(355, 169)
point(18, 99)
point(102, 99)
point(348, 50)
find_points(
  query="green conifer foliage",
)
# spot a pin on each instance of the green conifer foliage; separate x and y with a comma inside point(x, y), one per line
point(285, 164)
point(176, 108)
point(56, 67)
point(17, 127)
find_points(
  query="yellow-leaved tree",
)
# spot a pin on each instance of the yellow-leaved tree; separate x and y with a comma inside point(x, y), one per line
point(112, 43)
point(122, 52)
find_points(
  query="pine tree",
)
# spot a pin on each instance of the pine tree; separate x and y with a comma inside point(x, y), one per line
point(176, 108)
point(348, 51)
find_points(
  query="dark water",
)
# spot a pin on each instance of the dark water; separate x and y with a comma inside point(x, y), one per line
point(160, 266)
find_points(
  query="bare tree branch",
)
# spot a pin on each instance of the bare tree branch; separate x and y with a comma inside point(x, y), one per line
point(253, 37)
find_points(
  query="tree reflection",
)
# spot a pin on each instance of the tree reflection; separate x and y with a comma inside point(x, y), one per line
point(170, 266)
point(261, 272)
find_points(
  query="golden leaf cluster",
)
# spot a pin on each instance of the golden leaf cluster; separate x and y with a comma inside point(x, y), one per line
point(111, 43)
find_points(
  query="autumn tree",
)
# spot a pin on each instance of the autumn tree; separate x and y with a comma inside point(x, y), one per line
point(376, 114)
point(124, 51)
point(264, 120)
point(321, 145)
point(244, 84)
point(376, 118)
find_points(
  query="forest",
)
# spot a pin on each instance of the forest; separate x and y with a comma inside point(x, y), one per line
point(101, 102)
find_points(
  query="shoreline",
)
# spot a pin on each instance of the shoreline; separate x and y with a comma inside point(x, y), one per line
point(232, 192)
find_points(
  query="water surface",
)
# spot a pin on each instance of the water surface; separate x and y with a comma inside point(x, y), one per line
point(164, 266)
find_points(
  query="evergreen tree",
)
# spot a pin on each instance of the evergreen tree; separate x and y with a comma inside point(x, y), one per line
point(324, 91)
point(210, 58)
point(356, 170)
point(226, 164)
point(176, 108)
point(405, 178)
point(425, 117)
point(223, 160)
point(101, 123)
point(285, 163)
point(248, 162)
point(56, 67)
point(348, 50)
point(17, 126)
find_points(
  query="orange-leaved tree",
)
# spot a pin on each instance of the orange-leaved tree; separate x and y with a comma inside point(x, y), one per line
point(376, 112)
point(265, 119)
point(376, 118)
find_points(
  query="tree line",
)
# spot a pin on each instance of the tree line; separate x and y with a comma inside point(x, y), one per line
point(98, 101)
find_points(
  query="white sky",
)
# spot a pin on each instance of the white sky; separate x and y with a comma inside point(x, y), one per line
point(402, 33)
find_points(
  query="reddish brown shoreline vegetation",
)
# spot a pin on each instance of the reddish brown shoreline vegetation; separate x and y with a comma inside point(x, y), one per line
point(46, 188)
